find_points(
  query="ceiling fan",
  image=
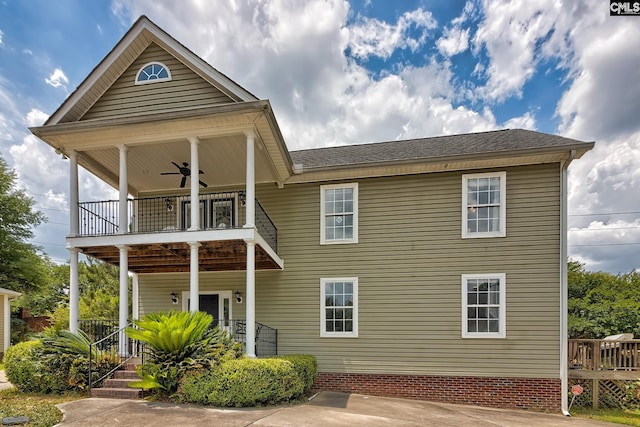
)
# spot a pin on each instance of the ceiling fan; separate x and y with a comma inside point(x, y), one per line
point(185, 172)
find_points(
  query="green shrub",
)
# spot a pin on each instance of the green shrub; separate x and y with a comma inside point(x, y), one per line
point(55, 364)
point(22, 366)
point(244, 382)
point(177, 343)
point(306, 367)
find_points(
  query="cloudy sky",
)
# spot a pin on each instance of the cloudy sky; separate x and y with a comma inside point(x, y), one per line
point(340, 72)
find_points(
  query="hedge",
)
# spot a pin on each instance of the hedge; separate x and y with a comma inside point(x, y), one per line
point(22, 367)
point(250, 382)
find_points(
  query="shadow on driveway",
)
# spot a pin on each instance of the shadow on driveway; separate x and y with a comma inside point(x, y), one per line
point(327, 408)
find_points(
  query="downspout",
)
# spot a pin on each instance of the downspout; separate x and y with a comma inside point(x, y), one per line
point(564, 285)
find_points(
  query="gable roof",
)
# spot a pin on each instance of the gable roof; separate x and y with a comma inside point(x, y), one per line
point(142, 34)
point(437, 149)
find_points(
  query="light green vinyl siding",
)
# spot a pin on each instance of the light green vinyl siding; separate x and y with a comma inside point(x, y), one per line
point(409, 262)
point(186, 89)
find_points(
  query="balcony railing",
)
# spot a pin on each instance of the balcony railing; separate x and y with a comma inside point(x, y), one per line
point(604, 355)
point(173, 213)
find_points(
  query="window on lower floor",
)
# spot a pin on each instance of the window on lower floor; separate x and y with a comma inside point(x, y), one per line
point(339, 307)
point(483, 305)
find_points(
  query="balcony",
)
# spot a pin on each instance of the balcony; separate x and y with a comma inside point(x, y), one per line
point(158, 229)
point(604, 358)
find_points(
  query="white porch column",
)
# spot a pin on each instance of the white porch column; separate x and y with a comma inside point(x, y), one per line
point(74, 290)
point(74, 230)
point(250, 184)
point(7, 325)
point(194, 284)
point(124, 298)
point(74, 197)
point(250, 300)
point(123, 220)
point(195, 186)
point(135, 298)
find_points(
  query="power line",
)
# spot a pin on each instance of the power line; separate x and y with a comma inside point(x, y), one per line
point(608, 213)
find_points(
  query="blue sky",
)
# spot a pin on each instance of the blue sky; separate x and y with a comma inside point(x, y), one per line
point(341, 72)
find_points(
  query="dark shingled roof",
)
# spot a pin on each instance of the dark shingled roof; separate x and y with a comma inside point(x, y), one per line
point(494, 142)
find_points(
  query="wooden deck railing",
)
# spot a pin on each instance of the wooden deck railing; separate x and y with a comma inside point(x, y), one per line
point(604, 355)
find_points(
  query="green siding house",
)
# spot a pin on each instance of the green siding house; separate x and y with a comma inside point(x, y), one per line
point(430, 268)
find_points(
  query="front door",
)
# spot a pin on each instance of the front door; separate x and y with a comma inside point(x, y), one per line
point(211, 304)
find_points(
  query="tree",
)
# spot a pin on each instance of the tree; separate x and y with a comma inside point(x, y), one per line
point(21, 267)
point(602, 304)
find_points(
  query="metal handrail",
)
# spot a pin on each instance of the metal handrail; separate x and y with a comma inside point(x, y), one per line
point(131, 344)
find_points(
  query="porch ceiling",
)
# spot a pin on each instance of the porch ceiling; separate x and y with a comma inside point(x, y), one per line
point(155, 140)
point(227, 255)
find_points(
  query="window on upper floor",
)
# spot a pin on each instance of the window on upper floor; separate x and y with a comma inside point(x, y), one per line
point(153, 72)
point(339, 307)
point(484, 205)
point(339, 213)
point(483, 305)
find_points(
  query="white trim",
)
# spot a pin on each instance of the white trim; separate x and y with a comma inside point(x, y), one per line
point(323, 332)
point(148, 81)
point(502, 232)
point(323, 239)
point(7, 322)
point(221, 295)
point(502, 313)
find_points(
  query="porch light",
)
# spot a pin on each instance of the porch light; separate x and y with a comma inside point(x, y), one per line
point(169, 204)
point(238, 296)
point(174, 298)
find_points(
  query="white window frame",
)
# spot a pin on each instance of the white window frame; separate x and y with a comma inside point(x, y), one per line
point(323, 319)
point(502, 311)
point(502, 232)
point(323, 238)
point(148, 81)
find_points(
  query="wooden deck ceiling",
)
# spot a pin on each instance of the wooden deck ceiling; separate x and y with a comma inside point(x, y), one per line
point(227, 255)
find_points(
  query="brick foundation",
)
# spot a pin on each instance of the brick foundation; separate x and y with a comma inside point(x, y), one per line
point(539, 394)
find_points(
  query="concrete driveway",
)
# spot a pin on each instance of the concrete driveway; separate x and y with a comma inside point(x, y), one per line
point(4, 384)
point(328, 408)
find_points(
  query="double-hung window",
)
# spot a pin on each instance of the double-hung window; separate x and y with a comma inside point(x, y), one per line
point(339, 307)
point(484, 205)
point(483, 305)
point(339, 213)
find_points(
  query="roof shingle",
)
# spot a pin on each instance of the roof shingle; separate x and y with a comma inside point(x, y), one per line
point(493, 142)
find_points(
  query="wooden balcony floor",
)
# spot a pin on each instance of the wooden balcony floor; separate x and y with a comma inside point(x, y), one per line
point(226, 255)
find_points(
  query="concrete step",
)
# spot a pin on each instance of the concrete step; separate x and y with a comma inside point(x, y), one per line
point(126, 375)
point(117, 393)
point(118, 382)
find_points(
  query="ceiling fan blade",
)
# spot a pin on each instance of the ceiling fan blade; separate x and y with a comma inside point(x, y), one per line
point(170, 173)
point(183, 182)
point(176, 165)
point(203, 184)
point(200, 172)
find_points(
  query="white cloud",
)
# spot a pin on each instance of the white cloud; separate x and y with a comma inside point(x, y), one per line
point(57, 79)
point(35, 117)
point(1, 42)
point(526, 121)
point(454, 41)
point(510, 34)
point(372, 37)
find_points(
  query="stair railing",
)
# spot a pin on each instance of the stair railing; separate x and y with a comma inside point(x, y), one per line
point(111, 344)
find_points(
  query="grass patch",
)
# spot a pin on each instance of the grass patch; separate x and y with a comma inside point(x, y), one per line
point(630, 417)
point(40, 408)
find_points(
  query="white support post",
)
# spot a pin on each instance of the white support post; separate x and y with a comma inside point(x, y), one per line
point(123, 220)
point(250, 208)
point(7, 325)
point(74, 290)
point(74, 197)
point(194, 284)
point(135, 298)
point(195, 185)
point(250, 300)
point(123, 319)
